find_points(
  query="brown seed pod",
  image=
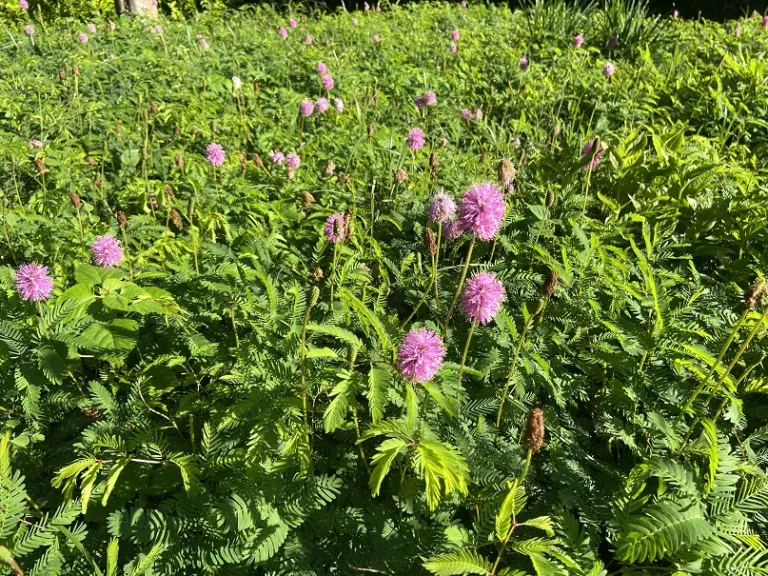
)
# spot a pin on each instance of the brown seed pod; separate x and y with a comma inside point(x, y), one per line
point(348, 222)
point(342, 177)
point(290, 172)
point(97, 182)
point(507, 172)
point(550, 286)
point(318, 275)
point(401, 176)
point(75, 199)
point(62, 75)
point(40, 165)
point(122, 220)
point(169, 192)
point(76, 70)
point(330, 168)
point(153, 106)
point(118, 128)
point(91, 161)
point(179, 161)
point(533, 436)
point(314, 296)
point(755, 294)
point(258, 161)
point(430, 243)
point(434, 164)
point(443, 142)
point(256, 87)
point(92, 413)
point(309, 200)
point(177, 130)
point(550, 199)
point(176, 219)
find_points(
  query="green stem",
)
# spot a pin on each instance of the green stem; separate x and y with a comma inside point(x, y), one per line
point(303, 351)
point(234, 325)
point(466, 348)
point(435, 263)
point(333, 271)
point(42, 321)
point(518, 348)
point(460, 286)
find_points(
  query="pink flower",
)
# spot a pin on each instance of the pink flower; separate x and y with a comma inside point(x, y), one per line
point(453, 229)
point(516, 142)
point(35, 144)
point(482, 210)
point(354, 21)
point(416, 139)
point(322, 105)
point(23, 4)
point(29, 30)
point(675, 14)
point(306, 107)
point(482, 297)
point(578, 40)
point(376, 39)
point(430, 98)
point(83, 37)
point(609, 70)
point(454, 48)
point(292, 161)
point(524, 63)
point(292, 23)
point(308, 40)
point(421, 355)
point(157, 29)
point(479, 114)
point(339, 104)
point(765, 21)
point(277, 157)
point(335, 228)
point(463, 3)
point(442, 208)
point(202, 42)
point(466, 113)
point(33, 282)
point(215, 154)
point(366, 6)
point(283, 32)
point(322, 68)
point(378, 8)
point(91, 28)
point(455, 35)
point(327, 81)
point(106, 251)
point(587, 150)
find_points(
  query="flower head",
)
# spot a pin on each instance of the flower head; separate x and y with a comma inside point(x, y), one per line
point(91, 28)
point(420, 355)
point(292, 23)
point(524, 63)
point(283, 32)
point(33, 282)
point(83, 37)
point(479, 114)
point(322, 68)
point(442, 208)
point(455, 35)
point(322, 105)
point(609, 70)
point(339, 104)
point(466, 113)
point(588, 150)
point(416, 139)
point(463, 3)
point(236, 82)
point(202, 42)
point(308, 40)
point(430, 98)
point(157, 29)
point(454, 48)
point(277, 157)
point(613, 40)
point(23, 4)
point(376, 39)
point(354, 21)
point(292, 160)
point(366, 6)
point(29, 30)
point(327, 81)
point(765, 21)
point(215, 154)
point(453, 229)
point(335, 228)
point(306, 107)
point(675, 14)
point(482, 210)
point(106, 251)
point(35, 144)
point(482, 297)
point(578, 40)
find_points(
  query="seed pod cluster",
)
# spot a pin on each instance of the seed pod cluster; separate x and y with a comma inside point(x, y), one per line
point(434, 164)
point(176, 219)
point(755, 294)
point(122, 220)
point(550, 285)
point(75, 199)
point(330, 168)
point(401, 176)
point(533, 436)
point(430, 243)
point(507, 172)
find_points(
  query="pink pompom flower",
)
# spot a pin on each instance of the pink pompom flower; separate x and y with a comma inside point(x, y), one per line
point(578, 40)
point(376, 39)
point(277, 157)
point(308, 40)
point(327, 81)
point(482, 210)
point(765, 21)
point(609, 70)
point(455, 35)
point(292, 161)
point(354, 21)
point(466, 113)
point(588, 149)
point(463, 3)
point(322, 105)
point(23, 4)
point(306, 107)
point(29, 30)
point(106, 251)
point(482, 297)
point(453, 229)
point(442, 208)
point(91, 28)
point(675, 14)
point(339, 104)
point(83, 37)
point(283, 32)
point(416, 139)
point(524, 63)
point(215, 154)
point(292, 23)
point(335, 228)
point(454, 48)
point(420, 355)
point(322, 68)
point(33, 282)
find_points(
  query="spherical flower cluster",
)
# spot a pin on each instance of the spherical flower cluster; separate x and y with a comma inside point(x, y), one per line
point(283, 32)
point(292, 23)
point(322, 68)
point(578, 40)
point(308, 40)
point(455, 35)
point(675, 14)
point(335, 228)
point(466, 113)
point(33, 282)
point(29, 30)
point(463, 3)
point(306, 108)
point(83, 37)
point(482, 210)
point(524, 63)
point(106, 251)
point(277, 157)
point(431, 98)
point(292, 161)
point(765, 21)
point(215, 154)
point(91, 28)
point(609, 70)
point(416, 139)
point(587, 150)
point(420, 355)
point(454, 48)
point(339, 104)
point(442, 208)
point(23, 4)
point(453, 229)
point(327, 81)
point(376, 39)
point(236, 83)
point(322, 105)
point(482, 297)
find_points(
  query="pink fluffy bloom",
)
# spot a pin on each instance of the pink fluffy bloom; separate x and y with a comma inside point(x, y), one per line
point(306, 107)
point(516, 142)
point(327, 81)
point(23, 4)
point(453, 229)
point(292, 161)
point(479, 114)
point(202, 42)
point(765, 21)
point(378, 8)
point(335, 228)
point(482, 210)
point(83, 37)
point(675, 14)
point(308, 40)
point(29, 30)
point(442, 208)
point(376, 39)
point(106, 251)
point(482, 297)
point(339, 104)
point(416, 139)
point(609, 70)
point(524, 63)
point(430, 98)
point(354, 21)
point(454, 48)
point(587, 150)
point(322, 105)
point(466, 113)
point(421, 355)
point(91, 28)
point(33, 282)
point(463, 3)
point(322, 68)
point(455, 35)
point(292, 23)
point(35, 144)
point(578, 40)
point(277, 157)
point(283, 32)
point(215, 154)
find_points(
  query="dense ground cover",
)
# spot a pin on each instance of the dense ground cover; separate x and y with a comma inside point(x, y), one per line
point(231, 388)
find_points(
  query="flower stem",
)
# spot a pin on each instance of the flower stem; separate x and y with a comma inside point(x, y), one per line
point(42, 321)
point(518, 348)
point(435, 262)
point(332, 279)
point(466, 348)
point(460, 286)
point(304, 403)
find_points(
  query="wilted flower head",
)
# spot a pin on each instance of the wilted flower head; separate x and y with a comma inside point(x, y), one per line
point(156, 29)
point(327, 81)
point(453, 229)
point(335, 228)
point(236, 83)
point(421, 355)
point(29, 30)
point(292, 160)
point(354, 21)
point(516, 142)
point(292, 23)
point(215, 154)
point(455, 35)
point(376, 39)
point(588, 149)
point(106, 251)
point(479, 114)
point(612, 41)
point(306, 108)
point(308, 40)
point(675, 14)
point(33, 282)
point(35, 144)
point(283, 32)
point(463, 3)
point(442, 208)
point(322, 105)
point(83, 37)
point(524, 63)
point(339, 104)
point(482, 210)
point(416, 139)
point(609, 70)
point(482, 297)
point(466, 113)
point(420, 102)
point(322, 68)
point(765, 21)
point(378, 8)
point(202, 42)
point(454, 48)
point(23, 4)
point(277, 157)
point(91, 28)
point(578, 40)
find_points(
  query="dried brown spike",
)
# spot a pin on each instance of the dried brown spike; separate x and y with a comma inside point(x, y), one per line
point(401, 175)
point(92, 413)
point(243, 162)
point(550, 199)
point(62, 75)
point(258, 161)
point(443, 142)
point(342, 177)
point(434, 164)
point(290, 173)
point(308, 200)
point(76, 70)
point(179, 161)
point(75, 199)
point(91, 161)
point(550, 286)
point(169, 192)
point(370, 131)
point(256, 87)
point(122, 220)
point(176, 219)
point(348, 221)
point(118, 128)
point(430, 242)
point(318, 275)
point(40, 165)
point(507, 172)
point(177, 130)
point(98, 182)
point(330, 168)
point(153, 106)
point(755, 294)
point(533, 436)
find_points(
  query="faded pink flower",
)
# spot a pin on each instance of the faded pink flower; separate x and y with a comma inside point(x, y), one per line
point(308, 40)
point(29, 30)
point(609, 70)
point(453, 229)
point(91, 28)
point(442, 208)
point(35, 144)
point(106, 251)
point(339, 104)
point(292, 23)
point(33, 282)
point(283, 32)
point(587, 150)
point(421, 355)
point(292, 161)
point(23, 4)
point(524, 63)
point(482, 210)
point(322, 105)
point(354, 21)
point(215, 154)
point(277, 157)
point(376, 39)
point(479, 114)
point(335, 228)
point(482, 297)
point(454, 48)
point(466, 113)
point(83, 37)
point(578, 40)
